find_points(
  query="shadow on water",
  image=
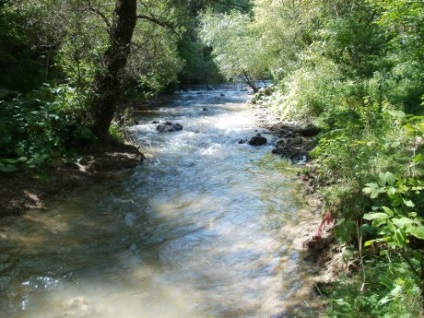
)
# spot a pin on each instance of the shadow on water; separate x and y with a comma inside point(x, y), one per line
point(204, 228)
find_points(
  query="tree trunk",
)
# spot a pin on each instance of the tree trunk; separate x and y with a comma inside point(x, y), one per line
point(108, 81)
point(249, 82)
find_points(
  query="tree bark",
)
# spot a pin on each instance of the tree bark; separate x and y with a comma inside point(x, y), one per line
point(108, 83)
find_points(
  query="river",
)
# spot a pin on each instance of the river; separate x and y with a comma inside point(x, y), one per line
point(205, 227)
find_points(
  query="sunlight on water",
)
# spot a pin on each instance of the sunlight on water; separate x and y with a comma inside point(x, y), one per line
point(204, 228)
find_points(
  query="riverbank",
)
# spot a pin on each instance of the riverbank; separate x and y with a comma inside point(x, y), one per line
point(294, 144)
point(23, 191)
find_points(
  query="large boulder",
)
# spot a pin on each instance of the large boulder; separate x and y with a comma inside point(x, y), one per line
point(169, 127)
point(257, 140)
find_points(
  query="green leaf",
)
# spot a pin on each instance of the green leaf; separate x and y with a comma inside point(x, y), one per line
point(400, 237)
point(372, 185)
point(384, 252)
point(397, 200)
point(375, 216)
point(409, 128)
point(402, 222)
point(417, 159)
point(413, 182)
point(369, 243)
point(379, 222)
point(9, 161)
point(409, 203)
point(368, 229)
point(397, 113)
point(7, 168)
point(387, 178)
point(416, 118)
point(388, 210)
point(418, 232)
point(395, 144)
point(390, 226)
point(373, 190)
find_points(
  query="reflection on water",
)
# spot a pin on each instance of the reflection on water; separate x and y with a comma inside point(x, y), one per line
point(204, 228)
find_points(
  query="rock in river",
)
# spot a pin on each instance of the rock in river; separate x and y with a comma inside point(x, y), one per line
point(169, 127)
point(309, 131)
point(257, 140)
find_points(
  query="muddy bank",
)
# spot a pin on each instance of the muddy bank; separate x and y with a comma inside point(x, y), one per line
point(26, 190)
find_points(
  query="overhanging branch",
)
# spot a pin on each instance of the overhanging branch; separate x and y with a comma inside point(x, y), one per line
point(164, 24)
point(101, 15)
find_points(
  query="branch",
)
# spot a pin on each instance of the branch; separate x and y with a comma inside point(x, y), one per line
point(101, 15)
point(164, 24)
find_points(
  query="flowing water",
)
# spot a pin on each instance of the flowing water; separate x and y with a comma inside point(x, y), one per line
point(205, 227)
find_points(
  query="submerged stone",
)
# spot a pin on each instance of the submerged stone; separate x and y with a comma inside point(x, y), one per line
point(169, 127)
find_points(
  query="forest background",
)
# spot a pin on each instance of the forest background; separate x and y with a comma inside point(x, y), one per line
point(70, 69)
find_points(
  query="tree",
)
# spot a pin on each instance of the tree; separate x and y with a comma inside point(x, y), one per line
point(286, 29)
point(108, 82)
point(236, 50)
point(22, 57)
point(104, 54)
point(83, 55)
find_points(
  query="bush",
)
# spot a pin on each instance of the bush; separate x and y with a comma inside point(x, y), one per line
point(41, 125)
point(389, 291)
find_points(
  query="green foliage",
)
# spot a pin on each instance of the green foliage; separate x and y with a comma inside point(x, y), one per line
point(399, 221)
point(154, 63)
point(237, 51)
point(405, 86)
point(24, 132)
point(397, 215)
point(116, 134)
point(307, 92)
point(285, 30)
point(353, 39)
point(358, 145)
point(390, 291)
point(403, 20)
point(199, 67)
point(22, 59)
point(40, 126)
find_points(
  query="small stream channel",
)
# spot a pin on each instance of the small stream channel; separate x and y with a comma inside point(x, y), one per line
point(205, 227)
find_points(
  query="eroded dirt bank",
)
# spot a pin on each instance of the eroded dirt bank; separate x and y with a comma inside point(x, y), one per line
point(23, 191)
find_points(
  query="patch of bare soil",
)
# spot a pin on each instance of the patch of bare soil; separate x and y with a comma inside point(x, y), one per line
point(26, 190)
